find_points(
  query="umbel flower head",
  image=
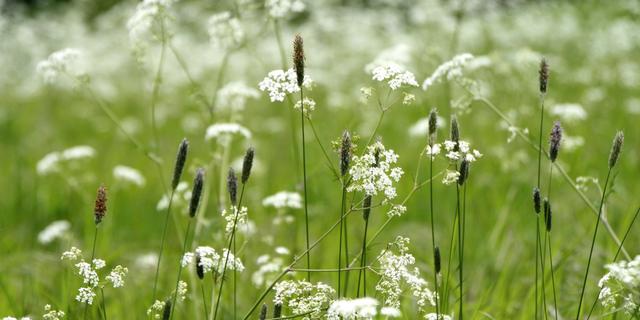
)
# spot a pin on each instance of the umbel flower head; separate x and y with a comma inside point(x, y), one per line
point(554, 141)
point(100, 209)
point(298, 59)
point(196, 194)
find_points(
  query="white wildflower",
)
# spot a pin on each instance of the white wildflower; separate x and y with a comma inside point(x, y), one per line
point(99, 264)
point(48, 163)
point(88, 274)
point(78, 152)
point(282, 8)
point(54, 230)
point(390, 312)
point(450, 176)
point(182, 290)
point(52, 314)
point(434, 316)
point(237, 218)
point(433, 151)
point(146, 261)
point(362, 308)
point(373, 176)
point(451, 69)
point(225, 31)
point(395, 76)
point(128, 174)
point(282, 251)
point(279, 83)
point(569, 112)
point(156, 309)
point(85, 295)
point(408, 99)
point(283, 200)
point(268, 270)
point(117, 275)
point(234, 95)
point(223, 132)
point(150, 22)
point(303, 297)
point(72, 254)
point(619, 286)
point(308, 105)
point(59, 63)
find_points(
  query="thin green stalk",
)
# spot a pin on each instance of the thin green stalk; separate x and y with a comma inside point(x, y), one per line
point(363, 257)
point(543, 256)
point(447, 286)
point(93, 255)
point(346, 255)
point(342, 200)
point(104, 308)
point(593, 242)
point(537, 261)
point(548, 237)
point(615, 257)
point(460, 254)
point(204, 301)
point(184, 250)
point(156, 85)
point(226, 260)
point(433, 232)
point(164, 234)
point(304, 184)
point(538, 186)
point(324, 151)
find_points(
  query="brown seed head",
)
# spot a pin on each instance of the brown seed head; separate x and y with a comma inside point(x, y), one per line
point(544, 75)
point(100, 209)
point(298, 59)
point(616, 148)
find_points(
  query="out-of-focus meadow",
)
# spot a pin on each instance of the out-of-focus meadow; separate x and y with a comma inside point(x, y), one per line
point(114, 106)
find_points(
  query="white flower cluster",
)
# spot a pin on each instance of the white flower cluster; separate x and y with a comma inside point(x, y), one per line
point(156, 309)
point(128, 175)
point(374, 173)
point(283, 200)
point(569, 112)
point(279, 83)
point(302, 297)
point(239, 217)
point(282, 8)
point(223, 132)
point(308, 105)
point(396, 274)
point(435, 316)
point(59, 63)
point(211, 261)
point(451, 69)
point(55, 230)
point(269, 267)
point(89, 274)
point(52, 314)
point(362, 308)
point(225, 31)
point(53, 161)
point(149, 22)
point(234, 95)
point(395, 76)
point(619, 287)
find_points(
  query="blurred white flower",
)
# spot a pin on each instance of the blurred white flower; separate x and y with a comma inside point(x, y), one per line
point(308, 105)
point(302, 297)
point(390, 312)
point(225, 31)
point(150, 22)
point(283, 199)
point(279, 83)
point(282, 8)
point(60, 63)
point(451, 69)
point(117, 275)
point(146, 261)
point(222, 132)
point(234, 95)
point(128, 174)
point(569, 111)
point(52, 314)
point(395, 76)
point(51, 162)
point(55, 230)
point(352, 309)
point(78, 152)
point(619, 286)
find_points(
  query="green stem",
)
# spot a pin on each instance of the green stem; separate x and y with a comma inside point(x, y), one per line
point(93, 255)
point(184, 250)
point(164, 234)
point(553, 279)
point(344, 191)
point(460, 254)
point(593, 242)
point(204, 301)
point(104, 308)
point(537, 262)
point(156, 85)
point(363, 257)
point(433, 236)
point(304, 184)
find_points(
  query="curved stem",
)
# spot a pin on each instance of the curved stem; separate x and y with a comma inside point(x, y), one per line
point(304, 184)
point(164, 234)
point(184, 250)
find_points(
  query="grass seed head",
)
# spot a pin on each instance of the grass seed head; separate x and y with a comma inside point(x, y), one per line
point(616, 148)
point(166, 312)
point(298, 58)
point(345, 153)
point(554, 141)
point(464, 171)
point(366, 208)
point(247, 164)
point(277, 310)
point(232, 186)
point(544, 75)
point(536, 200)
point(100, 209)
point(196, 194)
point(433, 125)
point(547, 214)
point(263, 312)
point(199, 268)
point(181, 158)
point(455, 132)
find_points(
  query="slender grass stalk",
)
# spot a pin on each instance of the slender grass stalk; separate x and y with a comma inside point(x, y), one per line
point(204, 301)
point(433, 236)
point(366, 211)
point(453, 243)
point(616, 148)
point(543, 259)
point(615, 257)
point(304, 184)
point(226, 260)
point(99, 211)
point(104, 308)
point(342, 200)
point(157, 81)
point(162, 241)
point(460, 254)
point(93, 255)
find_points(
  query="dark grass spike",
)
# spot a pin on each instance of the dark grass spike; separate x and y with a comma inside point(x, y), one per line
point(100, 209)
point(247, 164)
point(181, 159)
point(232, 187)
point(536, 200)
point(196, 193)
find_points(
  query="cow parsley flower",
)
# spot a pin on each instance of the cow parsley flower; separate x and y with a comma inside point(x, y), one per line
point(619, 286)
point(434, 316)
point(55, 230)
point(223, 132)
point(117, 275)
point(398, 273)
point(362, 308)
point(302, 297)
point(569, 112)
point(72, 254)
point(238, 217)
point(182, 290)
point(269, 268)
point(463, 151)
point(55, 161)
point(64, 62)
point(282, 8)
point(308, 105)
point(395, 76)
point(283, 199)
point(374, 173)
point(390, 312)
point(52, 314)
point(211, 261)
point(156, 309)
point(85, 295)
point(450, 70)
point(129, 175)
point(150, 22)
point(450, 177)
point(234, 95)
point(225, 31)
point(279, 83)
